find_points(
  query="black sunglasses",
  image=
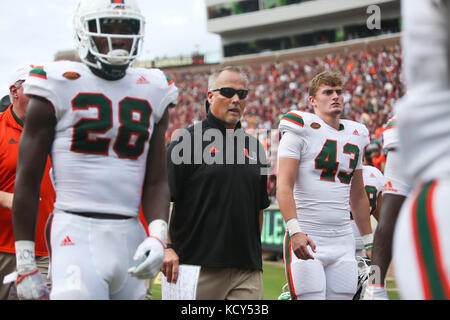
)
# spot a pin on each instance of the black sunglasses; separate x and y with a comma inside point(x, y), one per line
point(329, 92)
point(230, 92)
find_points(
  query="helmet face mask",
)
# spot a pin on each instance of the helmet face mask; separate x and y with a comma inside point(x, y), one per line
point(109, 34)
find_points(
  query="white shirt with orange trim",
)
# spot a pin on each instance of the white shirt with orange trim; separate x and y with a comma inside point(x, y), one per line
point(374, 181)
point(396, 181)
point(328, 158)
point(102, 133)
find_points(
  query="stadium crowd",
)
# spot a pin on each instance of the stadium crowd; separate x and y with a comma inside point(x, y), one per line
point(373, 85)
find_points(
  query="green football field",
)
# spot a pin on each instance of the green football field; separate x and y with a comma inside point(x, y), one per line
point(274, 279)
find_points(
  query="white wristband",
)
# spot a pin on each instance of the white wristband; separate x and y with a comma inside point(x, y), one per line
point(293, 227)
point(367, 239)
point(158, 229)
point(25, 259)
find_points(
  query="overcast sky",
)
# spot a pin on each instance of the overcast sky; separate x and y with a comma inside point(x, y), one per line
point(32, 31)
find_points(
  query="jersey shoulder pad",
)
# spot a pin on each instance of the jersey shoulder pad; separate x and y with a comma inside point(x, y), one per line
point(294, 121)
point(156, 77)
point(390, 135)
point(357, 129)
point(373, 170)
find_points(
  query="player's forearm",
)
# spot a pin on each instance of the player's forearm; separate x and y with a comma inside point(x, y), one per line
point(361, 214)
point(25, 208)
point(6, 200)
point(384, 233)
point(286, 202)
point(156, 201)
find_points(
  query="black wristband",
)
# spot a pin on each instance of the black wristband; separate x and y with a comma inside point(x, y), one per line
point(169, 246)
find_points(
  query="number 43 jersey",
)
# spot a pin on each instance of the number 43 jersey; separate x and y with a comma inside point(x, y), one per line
point(102, 133)
point(328, 159)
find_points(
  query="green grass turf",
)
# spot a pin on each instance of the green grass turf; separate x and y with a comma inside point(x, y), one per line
point(274, 278)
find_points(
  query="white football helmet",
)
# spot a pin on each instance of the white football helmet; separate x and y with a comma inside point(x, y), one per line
point(88, 20)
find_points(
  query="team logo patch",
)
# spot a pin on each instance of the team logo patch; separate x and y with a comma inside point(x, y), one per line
point(315, 125)
point(71, 75)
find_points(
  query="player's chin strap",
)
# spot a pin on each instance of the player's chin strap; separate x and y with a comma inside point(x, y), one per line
point(158, 229)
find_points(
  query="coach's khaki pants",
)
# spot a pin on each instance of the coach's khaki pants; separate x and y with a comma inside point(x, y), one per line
point(7, 265)
point(229, 284)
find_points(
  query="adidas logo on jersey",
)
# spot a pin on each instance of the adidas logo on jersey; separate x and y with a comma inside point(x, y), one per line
point(389, 188)
point(66, 242)
point(356, 133)
point(12, 141)
point(372, 175)
point(142, 80)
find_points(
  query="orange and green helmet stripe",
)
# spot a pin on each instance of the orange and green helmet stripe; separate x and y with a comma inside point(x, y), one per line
point(435, 282)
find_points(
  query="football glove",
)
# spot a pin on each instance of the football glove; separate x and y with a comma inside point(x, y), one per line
point(30, 284)
point(375, 292)
point(151, 251)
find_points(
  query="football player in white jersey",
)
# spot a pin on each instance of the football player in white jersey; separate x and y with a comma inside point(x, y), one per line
point(373, 184)
point(104, 125)
point(395, 190)
point(319, 172)
point(421, 240)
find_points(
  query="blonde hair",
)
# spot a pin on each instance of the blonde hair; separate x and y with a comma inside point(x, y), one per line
point(327, 78)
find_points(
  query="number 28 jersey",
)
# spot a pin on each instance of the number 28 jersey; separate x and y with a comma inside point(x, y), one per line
point(102, 133)
point(328, 159)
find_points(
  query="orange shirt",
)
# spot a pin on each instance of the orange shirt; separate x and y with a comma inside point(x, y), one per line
point(10, 130)
point(377, 161)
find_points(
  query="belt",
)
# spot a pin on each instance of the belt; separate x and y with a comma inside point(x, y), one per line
point(97, 215)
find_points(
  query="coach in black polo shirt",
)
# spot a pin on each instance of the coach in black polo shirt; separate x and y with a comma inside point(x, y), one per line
point(218, 185)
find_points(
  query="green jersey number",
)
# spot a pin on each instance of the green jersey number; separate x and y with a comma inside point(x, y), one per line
point(134, 118)
point(326, 161)
point(371, 192)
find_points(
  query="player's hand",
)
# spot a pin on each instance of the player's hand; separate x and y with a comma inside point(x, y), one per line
point(151, 253)
point(170, 265)
point(31, 286)
point(300, 243)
